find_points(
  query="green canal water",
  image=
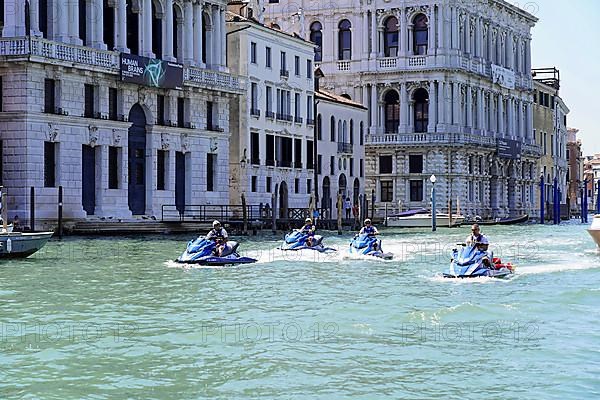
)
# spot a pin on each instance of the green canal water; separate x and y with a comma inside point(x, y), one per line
point(113, 318)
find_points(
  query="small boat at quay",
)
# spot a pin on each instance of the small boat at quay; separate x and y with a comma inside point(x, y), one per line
point(594, 230)
point(18, 244)
point(424, 220)
point(504, 221)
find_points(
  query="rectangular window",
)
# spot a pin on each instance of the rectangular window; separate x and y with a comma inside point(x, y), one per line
point(319, 164)
point(268, 182)
point(416, 190)
point(209, 115)
point(309, 109)
point(297, 65)
point(270, 144)
point(297, 115)
point(253, 183)
point(283, 64)
point(254, 99)
point(49, 96)
point(415, 164)
point(309, 155)
point(385, 164)
point(351, 166)
point(268, 57)
point(269, 100)
point(296, 185)
point(253, 53)
point(49, 164)
point(181, 112)
point(308, 186)
point(332, 165)
point(362, 168)
point(309, 69)
point(254, 148)
point(1, 94)
point(471, 189)
point(387, 191)
point(298, 153)
point(88, 107)
point(113, 167)
point(210, 171)
point(112, 104)
point(160, 111)
point(161, 169)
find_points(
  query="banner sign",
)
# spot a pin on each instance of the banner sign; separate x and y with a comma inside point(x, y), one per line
point(151, 72)
point(503, 77)
point(508, 148)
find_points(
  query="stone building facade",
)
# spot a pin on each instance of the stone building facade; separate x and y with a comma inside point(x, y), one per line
point(118, 148)
point(448, 88)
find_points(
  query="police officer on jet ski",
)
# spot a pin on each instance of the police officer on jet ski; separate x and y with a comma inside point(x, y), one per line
point(308, 229)
point(219, 235)
point(476, 238)
point(368, 229)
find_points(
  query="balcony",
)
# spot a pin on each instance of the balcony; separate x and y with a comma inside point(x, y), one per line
point(270, 163)
point(344, 148)
point(343, 65)
point(269, 114)
point(284, 117)
point(298, 120)
point(419, 139)
point(255, 161)
point(69, 55)
point(284, 73)
point(284, 163)
point(255, 112)
point(214, 128)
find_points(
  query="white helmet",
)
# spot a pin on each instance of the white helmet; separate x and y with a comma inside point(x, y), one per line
point(308, 221)
point(216, 224)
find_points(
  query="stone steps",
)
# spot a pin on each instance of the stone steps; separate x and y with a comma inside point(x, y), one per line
point(133, 227)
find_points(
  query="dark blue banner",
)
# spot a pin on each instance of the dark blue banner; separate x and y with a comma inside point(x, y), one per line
point(151, 72)
point(508, 148)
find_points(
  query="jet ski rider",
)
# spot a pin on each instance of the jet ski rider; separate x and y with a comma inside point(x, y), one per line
point(479, 240)
point(368, 229)
point(308, 229)
point(218, 235)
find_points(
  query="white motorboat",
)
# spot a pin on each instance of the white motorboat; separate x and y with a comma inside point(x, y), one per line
point(424, 221)
point(594, 230)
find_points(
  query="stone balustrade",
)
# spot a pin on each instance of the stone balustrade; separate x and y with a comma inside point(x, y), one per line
point(39, 49)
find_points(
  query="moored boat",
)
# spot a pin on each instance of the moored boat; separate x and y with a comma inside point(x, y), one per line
point(424, 220)
point(505, 221)
point(594, 229)
point(22, 244)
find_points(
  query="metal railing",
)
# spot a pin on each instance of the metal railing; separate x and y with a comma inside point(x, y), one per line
point(344, 148)
point(208, 213)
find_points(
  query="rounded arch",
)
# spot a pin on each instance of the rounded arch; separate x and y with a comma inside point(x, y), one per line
point(391, 101)
point(140, 112)
point(332, 128)
point(326, 198)
point(340, 131)
point(206, 37)
point(136, 159)
point(390, 36)
point(420, 34)
point(342, 185)
point(316, 36)
point(351, 131)
point(344, 40)
point(421, 110)
point(356, 190)
point(275, 26)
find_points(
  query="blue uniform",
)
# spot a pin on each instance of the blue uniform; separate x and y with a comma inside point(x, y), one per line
point(309, 229)
point(368, 230)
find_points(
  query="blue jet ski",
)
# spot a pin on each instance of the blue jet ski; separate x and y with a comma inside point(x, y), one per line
point(470, 262)
point(368, 245)
point(297, 240)
point(202, 252)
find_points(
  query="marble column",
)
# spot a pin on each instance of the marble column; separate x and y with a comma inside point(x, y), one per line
point(216, 38)
point(14, 19)
point(34, 23)
point(490, 45)
point(411, 116)
point(447, 104)
point(528, 57)
point(404, 117)
point(98, 23)
point(456, 106)
point(197, 33)
point(441, 105)
point(188, 28)
point(441, 27)
point(365, 29)
point(374, 124)
point(169, 21)
point(501, 131)
point(61, 10)
point(432, 32)
point(480, 109)
point(403, 27)
point(511, 117)
point(432, 107)
point(121, 26)
point(374, 45)
point(529, 126)
point(509, 51)
point(73, 25)
point(469, 105)
point(455, 28)
point(410, 46)
point(468, 38)
point(223, 44)
point(147, 29)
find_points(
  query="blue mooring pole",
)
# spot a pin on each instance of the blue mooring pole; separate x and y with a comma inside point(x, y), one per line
point(554, 200)
point(433, 211)
point(585, 202)
point(542, 200)
point(598, 198)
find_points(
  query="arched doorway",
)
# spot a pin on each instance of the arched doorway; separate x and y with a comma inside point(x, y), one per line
point(283, 200)
point(326, 199)
point(392, 111)
point(342, 185)
point(356, 190)
point(137, 160)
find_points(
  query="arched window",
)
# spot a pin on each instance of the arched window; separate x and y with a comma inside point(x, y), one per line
point(319, 128)
point(390, 37)
point(332, 128)
point(392, 111)
point(316, 36)
point(421, 98)
point(351, 131)
point(345, 40)
point(340, 131)
point(420, 39)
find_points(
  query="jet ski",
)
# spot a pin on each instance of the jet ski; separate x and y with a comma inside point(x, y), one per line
point(470, 262)
point(368, 245)
point(297, 240)
point(202, 252)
